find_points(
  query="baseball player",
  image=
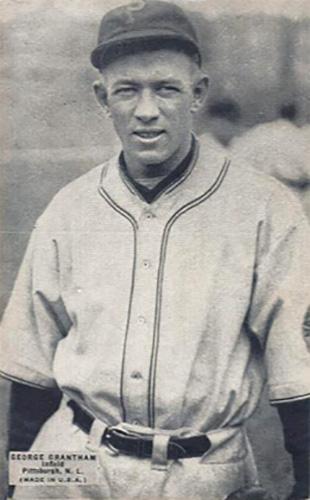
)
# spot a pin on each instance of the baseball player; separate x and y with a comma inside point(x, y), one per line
point(162, 289)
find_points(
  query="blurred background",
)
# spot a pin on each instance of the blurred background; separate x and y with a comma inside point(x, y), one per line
point(52, 130)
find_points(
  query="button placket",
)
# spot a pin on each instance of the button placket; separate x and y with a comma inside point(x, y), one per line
point(140, 333)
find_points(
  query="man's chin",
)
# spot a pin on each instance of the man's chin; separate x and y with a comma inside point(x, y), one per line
point(148, 158)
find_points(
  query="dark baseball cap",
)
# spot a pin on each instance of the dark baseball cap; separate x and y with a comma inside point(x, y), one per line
point(144, 24)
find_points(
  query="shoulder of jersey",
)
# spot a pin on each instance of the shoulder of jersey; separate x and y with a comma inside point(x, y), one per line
point(243, 180)
point(80, 192)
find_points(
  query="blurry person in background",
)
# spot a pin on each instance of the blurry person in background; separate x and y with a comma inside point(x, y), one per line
point(223, 120)
point(281, 149)
point(289, 112)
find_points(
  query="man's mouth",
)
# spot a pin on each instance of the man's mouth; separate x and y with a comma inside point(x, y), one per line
point(148, 134)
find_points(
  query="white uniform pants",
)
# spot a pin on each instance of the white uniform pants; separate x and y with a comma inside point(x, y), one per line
point(225, 468)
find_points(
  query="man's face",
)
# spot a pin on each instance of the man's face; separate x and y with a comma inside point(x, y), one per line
point(151, 97)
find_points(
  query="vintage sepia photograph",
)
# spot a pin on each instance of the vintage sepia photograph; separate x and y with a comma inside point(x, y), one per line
point(155, 262)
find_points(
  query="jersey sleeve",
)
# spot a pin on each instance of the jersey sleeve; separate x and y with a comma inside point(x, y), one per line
point(279, 314)
point(35, 319)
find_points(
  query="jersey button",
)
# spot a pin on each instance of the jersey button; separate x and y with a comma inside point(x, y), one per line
point(149, 215)
point(137, 375)
point(141, 320)
point(147, 264)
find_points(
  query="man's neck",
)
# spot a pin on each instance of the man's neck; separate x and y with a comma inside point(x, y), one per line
point(150, 175)
point(151, 187)
point(151, 181)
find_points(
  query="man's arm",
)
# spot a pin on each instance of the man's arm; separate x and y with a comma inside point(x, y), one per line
point(279, 317)
point(24, 410)
point(30, 408)
point(295, 418)
point(5, 397)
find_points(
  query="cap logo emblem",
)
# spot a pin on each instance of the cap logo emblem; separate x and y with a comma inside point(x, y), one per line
point(130, 9)
point(138, 5)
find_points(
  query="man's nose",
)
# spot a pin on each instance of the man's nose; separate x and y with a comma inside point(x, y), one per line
point(146, 109)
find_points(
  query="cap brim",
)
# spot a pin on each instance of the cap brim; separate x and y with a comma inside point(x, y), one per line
point(106, 52)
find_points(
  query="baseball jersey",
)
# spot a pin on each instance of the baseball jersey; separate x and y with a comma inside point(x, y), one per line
point(170, 315)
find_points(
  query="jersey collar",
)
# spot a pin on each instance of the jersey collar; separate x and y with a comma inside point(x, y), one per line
point(207, 168)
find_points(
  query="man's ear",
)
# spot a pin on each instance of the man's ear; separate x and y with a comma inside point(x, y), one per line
point(101, 95)
point(200, 91)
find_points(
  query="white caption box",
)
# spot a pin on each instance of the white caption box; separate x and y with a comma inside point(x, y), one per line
point(53, 468)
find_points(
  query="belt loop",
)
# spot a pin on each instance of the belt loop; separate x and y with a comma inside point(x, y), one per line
point(95, 435)
point(160, 452)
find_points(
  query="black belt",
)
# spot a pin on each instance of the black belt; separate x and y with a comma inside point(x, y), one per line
point(141, 446)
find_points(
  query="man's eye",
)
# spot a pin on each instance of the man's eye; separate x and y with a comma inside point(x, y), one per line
point(168, 90)
point(125, 91)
